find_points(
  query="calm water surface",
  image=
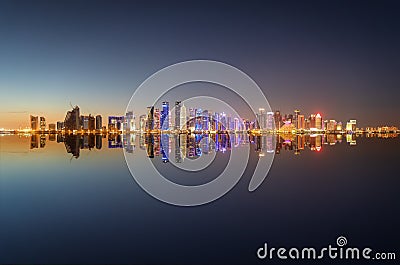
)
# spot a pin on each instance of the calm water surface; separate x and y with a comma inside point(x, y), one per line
point(74, 201)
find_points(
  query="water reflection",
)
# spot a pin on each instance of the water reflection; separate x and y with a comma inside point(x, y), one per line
point(192, 146)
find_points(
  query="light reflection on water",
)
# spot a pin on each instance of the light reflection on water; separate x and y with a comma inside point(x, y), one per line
point(59, 209)
point(190, 146)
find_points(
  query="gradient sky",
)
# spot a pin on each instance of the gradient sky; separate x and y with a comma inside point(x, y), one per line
point(339, 58)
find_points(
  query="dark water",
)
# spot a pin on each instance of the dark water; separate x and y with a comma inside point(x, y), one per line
point(74, 201)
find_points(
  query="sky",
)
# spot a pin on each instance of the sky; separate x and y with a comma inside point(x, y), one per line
point(338, 58)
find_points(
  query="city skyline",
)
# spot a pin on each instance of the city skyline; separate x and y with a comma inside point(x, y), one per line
point(184, 118)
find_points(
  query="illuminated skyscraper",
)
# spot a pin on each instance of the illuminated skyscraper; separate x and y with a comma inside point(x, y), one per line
point(301, 124)
point(72, 119)
point(42, 123)
point(99, 122)
point(313, 125)
point(278, 120)
point(115, 123)
point(262, 119)
point(270, 121)
point(142, 122)
point(205, 120)
point(156, 119)
point(351, 126)
point(183, 117)
point(129, 122)
point(296, 118)
point(92, 122)
point(165, 116)
point(177, 115)
point(331, 126)
point(318, 122)
point(60, 125)
point(150, 118)
point(34, 123)
point(192, 118)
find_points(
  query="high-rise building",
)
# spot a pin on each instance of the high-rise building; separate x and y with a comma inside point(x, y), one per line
point(178, 115)
point(278, 120)
point(115, 123)
point(60, 125)
point(165, 116)
point(192, 118)
point(331, 126)
point(72, 119)
point(182, 121)
point(313, 125)
point(270, 121)
point(296, 118)
point(262, 119)
point(205, 120)
point(92, 122)
point(150, 118)
point(42, 123)
point(34, 123)
point(142, 122)
point(129, 122)
point(198, 119)
point(157, 119)
point(85, 122)
point(301, 125)
point(351, 126)
point(99, 122)
point(52, 127)
point(318, 122)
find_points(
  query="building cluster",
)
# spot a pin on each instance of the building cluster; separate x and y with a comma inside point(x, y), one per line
point(197, 120)
point(300, 123)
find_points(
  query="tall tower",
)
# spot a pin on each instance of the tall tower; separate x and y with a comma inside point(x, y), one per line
point(183, 117)
point(34, 123)
point(296, 118)
point(150, 118)
point(42, 123)
point(318, 122)
point(165, 116)
point(177, 115)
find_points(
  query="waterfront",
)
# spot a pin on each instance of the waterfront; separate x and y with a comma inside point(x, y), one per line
point(56, 208)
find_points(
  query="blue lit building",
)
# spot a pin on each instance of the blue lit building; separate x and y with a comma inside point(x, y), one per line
point(165, 116)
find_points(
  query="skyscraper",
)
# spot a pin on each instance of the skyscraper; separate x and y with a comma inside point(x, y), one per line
point(150, 118)
point(42, 123)
point(142, 122)
point(301, 125)
point(165, 116)
point(296, 118)
point(262, 119)
point(129, 122)
point(318, 122)
point(34, 123)
point(156, 119)
point(99, 122)
point(269, 121)
point(72, 119)
point(177, 115)
point(278, 120)
point(351, 126)
point(92, 122)
point(183, 117)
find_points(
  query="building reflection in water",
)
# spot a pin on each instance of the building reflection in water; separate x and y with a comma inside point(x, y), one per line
point(191, 146)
